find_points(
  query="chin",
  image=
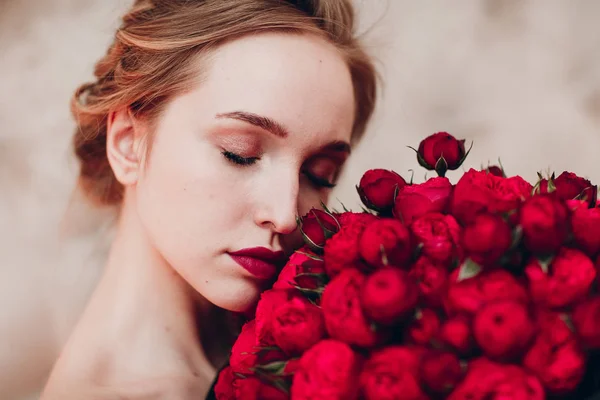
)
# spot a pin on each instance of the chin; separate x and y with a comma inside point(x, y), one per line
point(237, 295)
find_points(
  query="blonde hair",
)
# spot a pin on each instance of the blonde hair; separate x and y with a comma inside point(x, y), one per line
point(151, 60)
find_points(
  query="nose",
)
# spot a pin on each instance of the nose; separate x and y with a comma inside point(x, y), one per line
point(277, 206)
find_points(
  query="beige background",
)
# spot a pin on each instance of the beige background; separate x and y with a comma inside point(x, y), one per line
point(520, 78)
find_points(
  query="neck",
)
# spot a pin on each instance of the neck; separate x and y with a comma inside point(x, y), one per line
point(141, 321)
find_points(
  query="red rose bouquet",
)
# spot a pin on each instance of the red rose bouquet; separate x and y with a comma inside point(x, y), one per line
point(486, 289)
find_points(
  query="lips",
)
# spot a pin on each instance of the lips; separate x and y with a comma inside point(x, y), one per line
point(260, 261)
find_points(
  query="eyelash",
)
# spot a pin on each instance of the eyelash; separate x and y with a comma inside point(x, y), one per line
point(246, 162)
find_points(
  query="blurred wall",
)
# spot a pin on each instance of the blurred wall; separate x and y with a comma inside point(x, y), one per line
point(520, 78)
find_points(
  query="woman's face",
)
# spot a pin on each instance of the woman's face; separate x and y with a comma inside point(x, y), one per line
point(233, 161)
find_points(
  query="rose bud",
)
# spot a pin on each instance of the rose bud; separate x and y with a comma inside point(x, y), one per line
point(391, 373)
point(328, 370)
point(440, 371)
point(469, 295)
point(414, 201)
point(586, 319)
point(487, 239)
point(297, 325)
point(341, 251)
point(456, 332)
point(496, 171)
point(224, 387)
point(424, 328)
point(478, 191)
point(585, 223)
point(569, 186)
point(489, 380)
point(568, 279)
point(344, 318)
point(378, 187)
point(385, 242)
point(545, 222)
point(269, 301)
point(388, 295)
point(317, 226)
point(303, 261)
point(555, 355)
point(432, 281)
point(441, 152)
point(503, 329)
point(252, 388)
point(440, 237)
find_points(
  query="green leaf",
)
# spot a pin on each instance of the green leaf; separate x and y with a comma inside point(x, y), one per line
point(441, 166)
point(384, 258)
point(412, 175)
point(275, 367)
point(517, 235)
point(462, 160)
point(420, 159)
point(468, 269)
point(568, 321)
point(311, 256)
point(545, 263)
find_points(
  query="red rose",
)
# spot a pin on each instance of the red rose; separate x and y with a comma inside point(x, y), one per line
point(224, 387)
point(246, 353)
point(302, 270)
point(478, 191)
point(492, 381)
point(344, 318)
point(341, 251)
point(414, 201)
point(328, 370)
point(545, 222)
point(388, 295)
point(496, 171)
point(377, 188)
point(487, 238)
point(469, 295)
point(503, 329)
point(317, 226)
point(440, 371)
point(569, 279)
point(391, 373)
point(424, 328)
point(585, 223)
point(569, 186)
point(456, 332)
point(432, 281)
point(440, 237)
point(555, 356)
point(252, 388)
point(355, 219)
point(586, 319)
point(440, 146)
point(243, 353)
point(385, 240)
point(297, 325)
point(269, 301)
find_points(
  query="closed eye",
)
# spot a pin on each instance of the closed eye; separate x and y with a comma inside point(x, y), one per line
point(239, 160)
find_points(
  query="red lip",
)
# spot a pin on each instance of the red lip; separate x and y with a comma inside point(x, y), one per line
point(260, 261)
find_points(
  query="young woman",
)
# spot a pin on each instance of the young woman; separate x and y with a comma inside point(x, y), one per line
point(212, 125)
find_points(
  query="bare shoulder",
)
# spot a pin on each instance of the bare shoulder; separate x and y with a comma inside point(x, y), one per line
point(157, 389)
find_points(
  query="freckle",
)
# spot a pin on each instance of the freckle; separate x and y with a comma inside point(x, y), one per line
point(167, 329)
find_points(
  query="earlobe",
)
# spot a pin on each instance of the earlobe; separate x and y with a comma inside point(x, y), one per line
point(122, 146)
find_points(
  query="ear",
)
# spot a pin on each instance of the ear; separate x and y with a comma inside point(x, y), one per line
point(124, 135)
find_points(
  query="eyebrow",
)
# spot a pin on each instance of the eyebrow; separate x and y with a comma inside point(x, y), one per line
point(277, 129)
point(265, 123)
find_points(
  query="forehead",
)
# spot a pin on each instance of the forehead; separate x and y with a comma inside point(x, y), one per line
point(301, 81)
